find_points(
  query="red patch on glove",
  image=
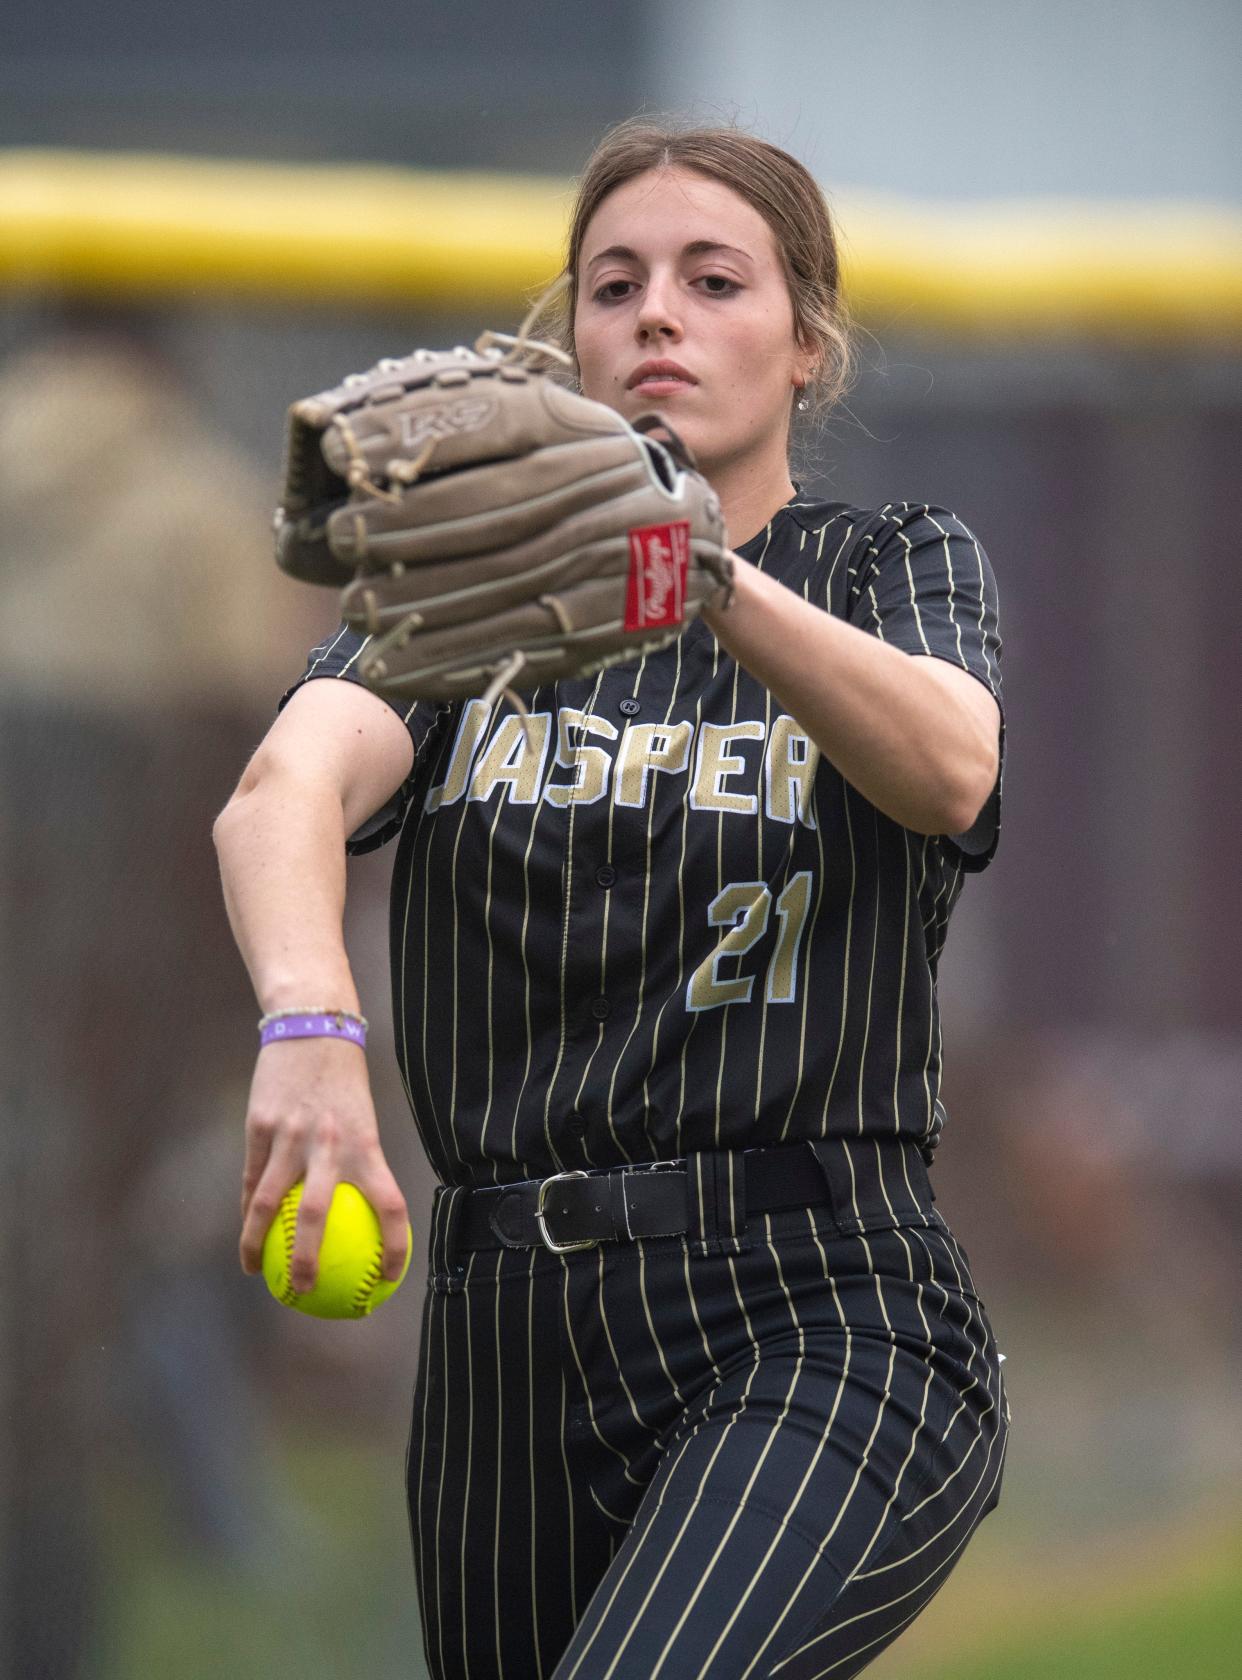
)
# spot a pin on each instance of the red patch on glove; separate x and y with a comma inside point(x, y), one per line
point(655, 592)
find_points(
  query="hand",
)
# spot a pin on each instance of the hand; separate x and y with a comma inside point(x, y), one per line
point(311, 1117)
point(400, 487)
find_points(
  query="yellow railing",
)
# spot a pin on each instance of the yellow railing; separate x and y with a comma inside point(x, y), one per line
point(198, 229)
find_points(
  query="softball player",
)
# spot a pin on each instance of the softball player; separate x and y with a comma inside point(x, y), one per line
point(706, 1390)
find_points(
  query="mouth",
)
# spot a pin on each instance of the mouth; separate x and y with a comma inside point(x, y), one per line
point(660, 379)
point(661, 387)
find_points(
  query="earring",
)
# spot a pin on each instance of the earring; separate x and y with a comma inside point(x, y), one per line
point(801, 405)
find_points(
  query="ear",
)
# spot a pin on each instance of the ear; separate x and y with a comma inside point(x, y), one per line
point(805, 366)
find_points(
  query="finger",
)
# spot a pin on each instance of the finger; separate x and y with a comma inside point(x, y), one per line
point(384, 1195)
point(316, 1199)
point(259, 1134)
point(282, 1171)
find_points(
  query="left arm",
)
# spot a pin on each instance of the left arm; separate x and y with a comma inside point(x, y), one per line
point(915, 735)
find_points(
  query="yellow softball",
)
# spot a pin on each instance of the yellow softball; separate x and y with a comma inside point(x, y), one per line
point(349, 1284)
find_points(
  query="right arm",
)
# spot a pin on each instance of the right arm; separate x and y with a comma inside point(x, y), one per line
point(333, 757)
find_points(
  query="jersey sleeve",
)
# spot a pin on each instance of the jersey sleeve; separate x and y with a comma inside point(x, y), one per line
point(924, 584)
point(337, 656)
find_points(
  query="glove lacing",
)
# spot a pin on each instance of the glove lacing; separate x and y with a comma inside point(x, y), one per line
point(521, 346)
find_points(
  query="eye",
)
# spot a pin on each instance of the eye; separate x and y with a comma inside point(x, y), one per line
point(719, 285)
point(715, 285)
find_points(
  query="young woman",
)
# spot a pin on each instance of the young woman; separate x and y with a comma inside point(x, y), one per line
point(705, 1385)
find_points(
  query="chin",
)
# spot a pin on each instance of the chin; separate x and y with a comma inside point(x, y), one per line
point(687, 427)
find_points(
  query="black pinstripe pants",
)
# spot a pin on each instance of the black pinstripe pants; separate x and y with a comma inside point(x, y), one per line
point(746, 1451)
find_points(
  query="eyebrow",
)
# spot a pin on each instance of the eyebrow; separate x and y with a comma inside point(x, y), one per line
point(696, 248)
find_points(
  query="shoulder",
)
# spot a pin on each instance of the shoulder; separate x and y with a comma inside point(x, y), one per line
point(892, 523)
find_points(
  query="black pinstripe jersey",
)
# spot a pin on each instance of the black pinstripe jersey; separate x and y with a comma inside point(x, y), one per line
point(667, 922)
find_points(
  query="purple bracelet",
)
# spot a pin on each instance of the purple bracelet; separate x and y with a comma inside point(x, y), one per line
point(316, 1025)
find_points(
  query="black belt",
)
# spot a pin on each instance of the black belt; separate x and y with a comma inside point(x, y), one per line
point(578, 1209)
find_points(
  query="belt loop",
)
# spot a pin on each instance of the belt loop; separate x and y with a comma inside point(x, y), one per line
point(874, 1182)
point(716, 1202)
point(833, 1156)
point(447, 1274)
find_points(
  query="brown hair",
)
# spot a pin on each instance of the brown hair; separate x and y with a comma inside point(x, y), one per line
point(775, 184)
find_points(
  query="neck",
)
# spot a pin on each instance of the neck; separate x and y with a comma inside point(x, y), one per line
point(751, 491)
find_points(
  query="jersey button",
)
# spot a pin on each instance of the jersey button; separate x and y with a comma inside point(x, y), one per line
point(605, 875)
point(601, 1008)
point(629, 707)
point(577, 1125)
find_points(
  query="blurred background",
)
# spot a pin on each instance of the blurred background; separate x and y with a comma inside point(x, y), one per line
point(207, 213)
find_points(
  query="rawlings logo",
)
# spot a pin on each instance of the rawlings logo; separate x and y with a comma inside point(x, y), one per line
point(655, 591)
point(467, 414)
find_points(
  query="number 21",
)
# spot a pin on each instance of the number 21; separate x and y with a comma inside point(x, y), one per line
point(743, 907)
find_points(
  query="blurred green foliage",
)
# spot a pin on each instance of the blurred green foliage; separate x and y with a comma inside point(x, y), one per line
point(328, 1595)
point(333, 1597)
point(1190, 1631)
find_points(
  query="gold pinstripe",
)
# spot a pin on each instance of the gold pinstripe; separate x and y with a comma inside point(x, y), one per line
point(329, 646)
point(994, 681)
point(914, 602)
point(806, 988)
point(465, 1502)
point(569, 1504)
point(586, 1387)
point(901, 989)
point(414, 1506)
point(694, 1309)
point(681, 967)
point(491, 963)
point(498, 1367)
point(530, 1040)
point(600, 1506)
point(759, 872)
point(455, 989)
point(612, 1348)
point(401, 1014)
point(845, 958)
point(440, 1491)
point(568, 879)
point(530, 1451)
point(875, 941)
point(927, 1091)
point(603, 992)
point(819, 894)
point(724, 1025)
point(656, 1342)
point(948, 566)
point(640, 1000)
point(905, 924)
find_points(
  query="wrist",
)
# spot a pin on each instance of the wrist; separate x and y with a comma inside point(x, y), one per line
point(283, 1024)
point(309, 990)
point(717, 615)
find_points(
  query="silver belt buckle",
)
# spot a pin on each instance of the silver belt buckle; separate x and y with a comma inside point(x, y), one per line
point(559, 1248)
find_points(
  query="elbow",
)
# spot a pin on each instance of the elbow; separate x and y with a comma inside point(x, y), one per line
point(224, 821)
point(962, 810)
point(220, 828)
point(959, 819)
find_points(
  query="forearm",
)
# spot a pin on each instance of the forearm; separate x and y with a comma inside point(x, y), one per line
point(877, 714)
point(281, 847)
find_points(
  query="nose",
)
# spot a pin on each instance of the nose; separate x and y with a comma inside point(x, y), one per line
point(658, 315)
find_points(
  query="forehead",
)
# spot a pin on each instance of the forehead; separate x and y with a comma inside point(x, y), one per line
point(676, 207)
